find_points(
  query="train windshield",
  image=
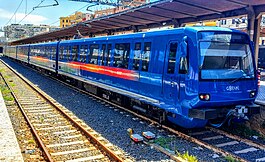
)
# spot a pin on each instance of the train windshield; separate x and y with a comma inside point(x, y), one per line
point(225, 56)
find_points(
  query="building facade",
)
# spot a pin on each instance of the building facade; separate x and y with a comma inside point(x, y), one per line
point(18, 31)
point(73, 19)
point(126, 4)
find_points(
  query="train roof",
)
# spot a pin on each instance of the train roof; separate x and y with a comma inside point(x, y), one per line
point(153, 33)
point(47, 44)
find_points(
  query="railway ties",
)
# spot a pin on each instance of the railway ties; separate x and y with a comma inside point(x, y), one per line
point(60, 134)
point(235, 145)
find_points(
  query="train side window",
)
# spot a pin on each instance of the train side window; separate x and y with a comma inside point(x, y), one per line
point(46, 51)
point(146, 56)
point(94, 49)
point(103, 54)
point(75, 53)
point(108, 55)
point(67, 53)
point(53, 53)
point(65, 50)
point(121, 55)
point(32, 51)
point(83, 53)
point(137, 56)
point(172, 58)
point(61, 53)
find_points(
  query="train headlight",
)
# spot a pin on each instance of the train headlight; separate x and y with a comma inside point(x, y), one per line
point(252, 94)
point(204, 97)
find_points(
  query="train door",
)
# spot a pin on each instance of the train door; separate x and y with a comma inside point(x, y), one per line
point(183, 58)
point(170, 80)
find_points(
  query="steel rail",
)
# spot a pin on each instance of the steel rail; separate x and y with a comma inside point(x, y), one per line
point(88, 134)
point(43, 147)
point(235, 137)
point(180, 134)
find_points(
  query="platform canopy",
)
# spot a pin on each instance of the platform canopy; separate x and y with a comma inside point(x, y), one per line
point(157, 14)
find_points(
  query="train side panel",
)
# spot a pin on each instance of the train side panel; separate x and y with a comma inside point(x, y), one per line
point(23, 53)
point(43, 55)
point(10, 51)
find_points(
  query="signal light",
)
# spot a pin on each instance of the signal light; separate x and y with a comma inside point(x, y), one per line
point(204, 97)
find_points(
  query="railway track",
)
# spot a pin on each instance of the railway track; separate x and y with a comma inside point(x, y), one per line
point(60, 134)
point(227, 145)
point(243, 155)
point(240, 148)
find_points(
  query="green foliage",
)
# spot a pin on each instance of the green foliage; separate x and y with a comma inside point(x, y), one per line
point(186, 156)
point(230, 159)
point(41, 119)
point(8, 98)
point(163, 142)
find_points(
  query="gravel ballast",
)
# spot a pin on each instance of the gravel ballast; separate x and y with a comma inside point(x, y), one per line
point(111, 123)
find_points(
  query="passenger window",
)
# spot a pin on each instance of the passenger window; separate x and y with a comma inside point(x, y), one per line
point(103, 54)
point(172, 58)
point(53, 53)
point(108, 55)
point(137, 56)
point(83, 53)
point(121, 55)
point(46, 52)
point(67, 55)
point(146, 56)
point(32, 51)
point(94, 49)
point(75, 53)
point(61, 53)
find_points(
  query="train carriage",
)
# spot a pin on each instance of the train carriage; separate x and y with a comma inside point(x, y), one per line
point(23, 53)
point(10, 51)
point(44, 55)
point(188, 76)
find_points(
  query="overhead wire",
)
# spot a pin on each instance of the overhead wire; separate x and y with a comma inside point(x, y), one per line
point(30, 11)
point(14, 12)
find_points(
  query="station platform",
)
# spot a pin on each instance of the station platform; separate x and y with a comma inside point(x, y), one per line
point(9, 148)
point(261, 94)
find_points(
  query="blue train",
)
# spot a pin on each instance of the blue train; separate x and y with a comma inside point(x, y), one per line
point(188, 76)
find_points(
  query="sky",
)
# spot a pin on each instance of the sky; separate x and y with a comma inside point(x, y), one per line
point(44, 15)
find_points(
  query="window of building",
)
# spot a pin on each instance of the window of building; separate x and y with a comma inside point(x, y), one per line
point(83, 53)
point(137, 56)
point(63, 21)
point(121, 55)
point(172, 58)
point(146, 56)
point(94, 50)
point(75, 53)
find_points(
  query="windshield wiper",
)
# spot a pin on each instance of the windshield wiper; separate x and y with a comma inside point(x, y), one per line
point(243, 76)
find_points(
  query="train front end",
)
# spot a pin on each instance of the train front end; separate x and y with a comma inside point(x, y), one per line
point(227, 78)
